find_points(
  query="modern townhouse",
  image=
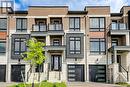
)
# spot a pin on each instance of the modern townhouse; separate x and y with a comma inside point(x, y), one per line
point(90, 45)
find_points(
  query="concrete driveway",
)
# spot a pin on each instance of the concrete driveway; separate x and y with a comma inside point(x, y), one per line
point(90, 84)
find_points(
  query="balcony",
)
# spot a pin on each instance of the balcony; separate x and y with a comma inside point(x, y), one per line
point(55, 48)
point(55, 29)
point(39, 30)
point(118, 29)
point(119, 49)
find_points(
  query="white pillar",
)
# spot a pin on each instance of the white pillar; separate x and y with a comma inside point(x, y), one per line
point(47, 40)
point(127, 39)
point(115, 72)
point(115, 56)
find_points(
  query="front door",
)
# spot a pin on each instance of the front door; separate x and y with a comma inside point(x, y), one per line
point(97, 73)
point(2, 73)
point(17, 73)
point(76, 73)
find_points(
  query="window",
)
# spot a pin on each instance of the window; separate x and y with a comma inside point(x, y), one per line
point(56, 63)
point(39, 68)
point(97, 46)
point(74, 45)
point(3, 24)
point(97, 24)
point(114, 42)
point(74, 24)
point(2, 47)
point(56, 42)
point(21, 24)
point(19, 46)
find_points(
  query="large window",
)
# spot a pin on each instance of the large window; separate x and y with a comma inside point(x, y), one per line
point(19, 46)
point(21, 24)
point(97, 24)
point(74, 24)
point(2, 47)
point(97, 46)
point(74, 45)
point(114, 42)
point(56, 63)
point(3, 24)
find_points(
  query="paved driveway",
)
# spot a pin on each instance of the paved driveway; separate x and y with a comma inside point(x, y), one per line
point(90, 84)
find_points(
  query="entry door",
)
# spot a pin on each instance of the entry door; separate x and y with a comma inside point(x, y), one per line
point(76, 73)
point(97, 73)
point(16, 73)
point(2, 73)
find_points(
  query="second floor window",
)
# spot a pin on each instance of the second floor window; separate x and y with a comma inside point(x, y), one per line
point(97, 24)
point(74, 24)
point(97, 46)
point(2, 47)
point(75, 45)
point(56, 42)
point(3, 24)
point(19, 46)
point(21, 24)
point(114, 42)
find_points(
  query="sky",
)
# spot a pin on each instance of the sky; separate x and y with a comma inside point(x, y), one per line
point(73, 4)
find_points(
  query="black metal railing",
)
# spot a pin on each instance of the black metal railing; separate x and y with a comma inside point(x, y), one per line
point(118, 26)
point(127, 76)
point(36, 27)
point(55, 27)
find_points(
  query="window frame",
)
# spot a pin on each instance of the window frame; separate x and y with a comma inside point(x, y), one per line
point(1, 29)
point(98, 29)
point(74, 51)
point(20, 51)
point(74, 29)
point(99, 41)
point(21, 27)
point(5, 46)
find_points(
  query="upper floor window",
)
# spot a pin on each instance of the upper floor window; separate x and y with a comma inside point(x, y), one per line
point(2, 47)
point(74, 24)
point(97, 24)
point(97, 45)
point(19, 46)
point(3, 24)
point(75, 45)
point(56, 42)
point(21, 24)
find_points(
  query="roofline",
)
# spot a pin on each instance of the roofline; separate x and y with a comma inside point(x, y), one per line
point(95, 7)
point(48, 6)
point(77, 12)
point(116, 14)
point(19, 12)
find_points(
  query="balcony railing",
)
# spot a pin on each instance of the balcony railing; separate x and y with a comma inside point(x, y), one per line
point(118, 26)
point(39, 27)
point(55, 27)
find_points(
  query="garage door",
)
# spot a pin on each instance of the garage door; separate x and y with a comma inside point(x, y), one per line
point(76, 73)
point(97, 73)
point(2, 73)
point(16, 73)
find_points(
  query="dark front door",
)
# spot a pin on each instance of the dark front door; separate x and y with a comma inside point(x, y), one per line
point(76, 73)
point(17, 71)
point(97, 73)
point(2, 73)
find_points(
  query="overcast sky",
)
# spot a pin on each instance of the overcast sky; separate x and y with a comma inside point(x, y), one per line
point(73, 4)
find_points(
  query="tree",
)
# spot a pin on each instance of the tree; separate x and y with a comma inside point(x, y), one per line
point(35, 53)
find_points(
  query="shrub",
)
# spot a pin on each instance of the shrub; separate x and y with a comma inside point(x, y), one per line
point(47, 84)
point(62, 84)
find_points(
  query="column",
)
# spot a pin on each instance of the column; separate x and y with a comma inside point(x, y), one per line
point(47, 40)
point(115, 56)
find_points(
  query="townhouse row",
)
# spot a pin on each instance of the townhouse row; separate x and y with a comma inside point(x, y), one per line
point(90, 45)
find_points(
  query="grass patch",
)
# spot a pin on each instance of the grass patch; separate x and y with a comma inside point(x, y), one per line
point(43, 84)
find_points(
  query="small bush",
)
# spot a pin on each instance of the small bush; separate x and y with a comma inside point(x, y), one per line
point(122, 83)
point(62, 84)
point(47, 84)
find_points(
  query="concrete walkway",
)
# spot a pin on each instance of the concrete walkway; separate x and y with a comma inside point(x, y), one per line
point(72, 84)
point(90, 84)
